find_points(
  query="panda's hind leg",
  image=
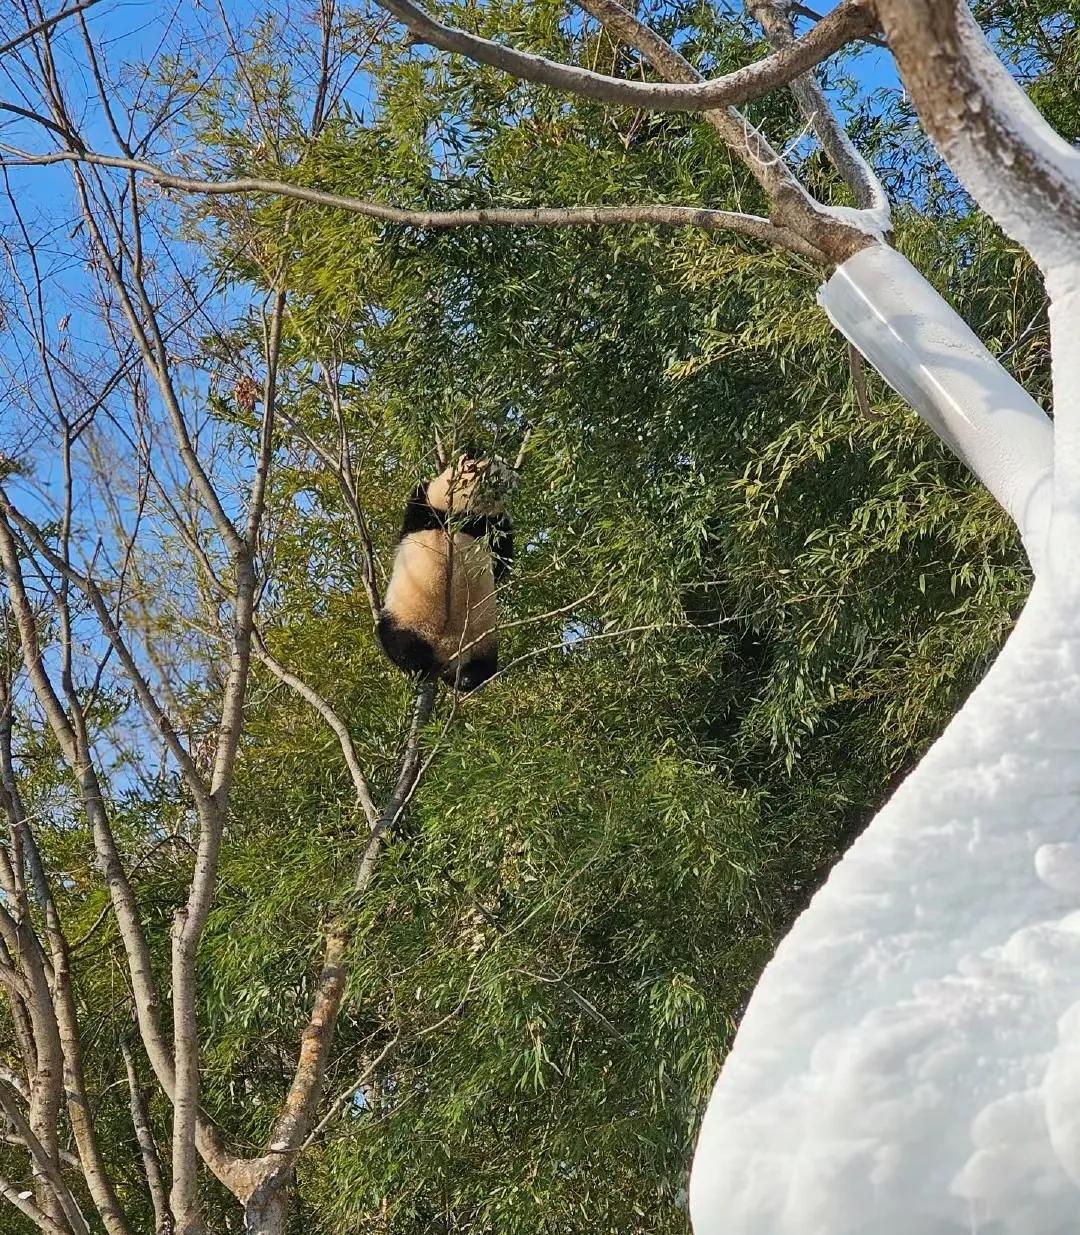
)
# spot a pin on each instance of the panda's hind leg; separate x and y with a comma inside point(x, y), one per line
point(411, 652)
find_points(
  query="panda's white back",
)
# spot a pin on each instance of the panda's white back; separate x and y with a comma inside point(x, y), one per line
point(446, 595)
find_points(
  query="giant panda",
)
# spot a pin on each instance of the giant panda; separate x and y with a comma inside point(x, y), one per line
point(439, 616)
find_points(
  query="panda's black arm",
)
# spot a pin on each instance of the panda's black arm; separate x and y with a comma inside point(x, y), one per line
point(502, 548)
point(420, 515)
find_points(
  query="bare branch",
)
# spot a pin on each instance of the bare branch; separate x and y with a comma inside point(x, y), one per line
point(20, 1198)
point(190, 920)
point(49, 1167)
point(71, 740)
point(257, 503)
point(45, 122)
point(849, 21)
point(149, 703)
point(751, 226)
point(857, 368)
point(294, 1118)
point(341, 465)
point(298, 1110)
point(519, 460)
point(147, 1148)
point(339, 1102)
point(793, 209)
point(333, 720)
point(403, 788)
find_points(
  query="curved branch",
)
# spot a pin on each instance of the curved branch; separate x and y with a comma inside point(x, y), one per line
point(752, 226)
point(333, 720)
point(849, 21)
point(45, 122)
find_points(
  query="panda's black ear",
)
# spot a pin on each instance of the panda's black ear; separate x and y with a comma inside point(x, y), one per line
point(470, 452)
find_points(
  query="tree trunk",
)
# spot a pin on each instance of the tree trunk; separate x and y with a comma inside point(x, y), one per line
point(930, 356)
point(267, 1209)
point(909, 1060)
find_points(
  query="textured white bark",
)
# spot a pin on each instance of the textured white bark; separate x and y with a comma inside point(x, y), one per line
point(929, 356)
point(908, 1064)
point(1020, 171)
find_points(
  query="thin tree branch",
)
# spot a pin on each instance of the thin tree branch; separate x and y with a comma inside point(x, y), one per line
point(257, 504)
point(46, 24)
point(857, 369)
point(294, 1120)
point(793, 209)
point(45, 122)
point(332, 719)
point(72, 745)
point(20, 1198)
point(140, 1119)
point(48, 1166)
point(342, 468)
point(89, 587)
point(848, 161)
point(190, 920)
point(403, 788)
point(340, 1101)
point(751, 226)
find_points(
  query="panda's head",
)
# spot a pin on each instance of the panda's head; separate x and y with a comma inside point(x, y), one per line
point(475, 483)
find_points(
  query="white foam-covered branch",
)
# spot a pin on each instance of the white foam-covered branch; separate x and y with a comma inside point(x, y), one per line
point(1064, 554)
point(1023, 174)
point(929, 356)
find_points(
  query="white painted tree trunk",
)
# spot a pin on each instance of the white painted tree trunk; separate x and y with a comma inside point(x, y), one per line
point(910, 1061)
point(931, 357)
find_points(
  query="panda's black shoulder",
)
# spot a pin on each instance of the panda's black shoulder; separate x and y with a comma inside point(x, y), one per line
point(420, 515)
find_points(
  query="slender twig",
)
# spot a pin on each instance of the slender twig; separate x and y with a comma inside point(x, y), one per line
point(44, 121)
point(332, 719)
point(857, 369)
point(346, 1095)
